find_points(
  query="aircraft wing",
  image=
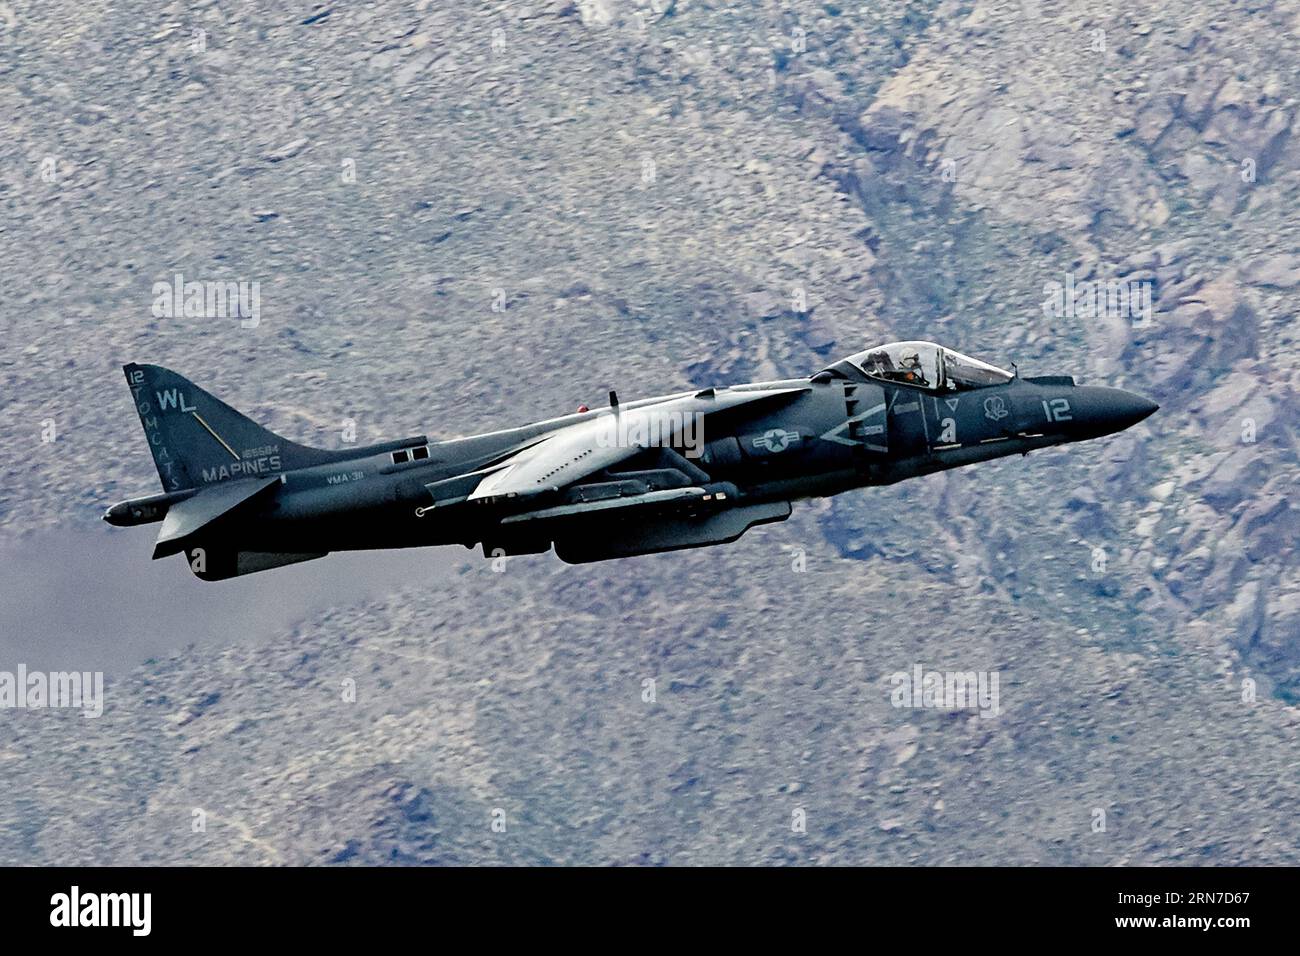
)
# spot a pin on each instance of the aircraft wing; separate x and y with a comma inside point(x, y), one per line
point(611, 436)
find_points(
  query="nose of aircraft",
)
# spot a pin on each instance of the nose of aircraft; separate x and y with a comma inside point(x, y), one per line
point(1102, 411)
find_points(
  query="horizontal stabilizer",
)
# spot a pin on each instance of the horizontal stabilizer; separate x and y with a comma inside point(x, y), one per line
point(186, 518)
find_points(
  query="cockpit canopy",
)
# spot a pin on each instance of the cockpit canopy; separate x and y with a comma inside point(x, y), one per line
point(924, 365)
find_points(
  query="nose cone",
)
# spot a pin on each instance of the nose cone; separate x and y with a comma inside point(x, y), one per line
point(1131, 408)
point(1103, 411)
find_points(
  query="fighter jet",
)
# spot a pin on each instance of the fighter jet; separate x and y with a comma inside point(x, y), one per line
point(676, 471)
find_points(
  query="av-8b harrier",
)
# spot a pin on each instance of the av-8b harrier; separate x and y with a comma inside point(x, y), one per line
point(678, 471)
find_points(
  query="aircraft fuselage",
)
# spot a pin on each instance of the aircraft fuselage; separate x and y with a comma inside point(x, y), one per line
point(767, 444)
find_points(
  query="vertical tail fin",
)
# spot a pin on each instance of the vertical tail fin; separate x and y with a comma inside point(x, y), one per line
point(196, 439)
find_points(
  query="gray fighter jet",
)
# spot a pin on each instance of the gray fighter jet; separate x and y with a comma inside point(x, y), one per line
point(677, 471)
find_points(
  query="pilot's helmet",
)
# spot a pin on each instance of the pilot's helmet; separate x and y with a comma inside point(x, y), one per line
point(910, 359)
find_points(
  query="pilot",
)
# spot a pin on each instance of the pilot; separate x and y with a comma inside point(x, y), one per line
point(910, 363)
point(878, 363)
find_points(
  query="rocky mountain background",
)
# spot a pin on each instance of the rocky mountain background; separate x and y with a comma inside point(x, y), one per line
point(466, 215)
